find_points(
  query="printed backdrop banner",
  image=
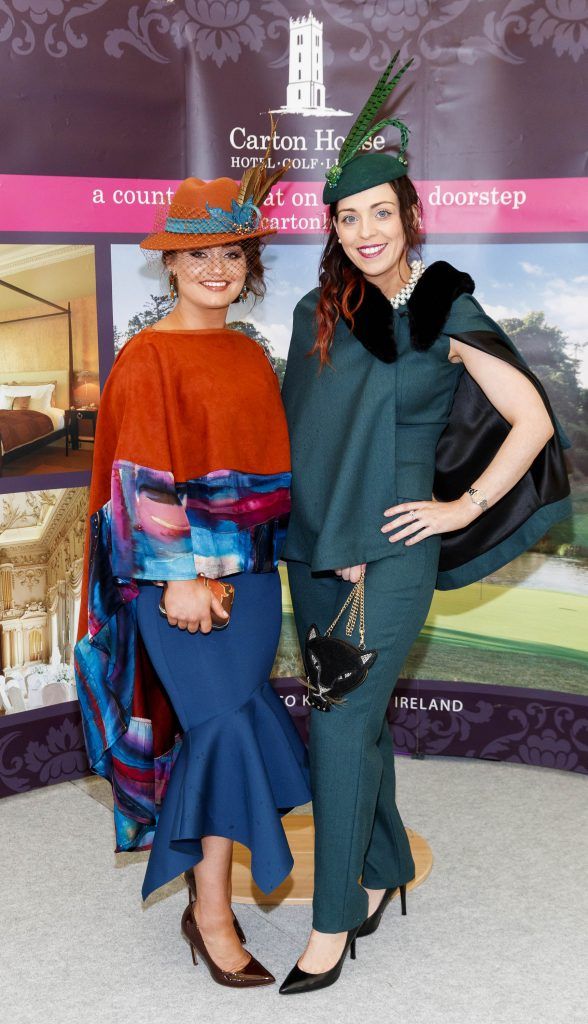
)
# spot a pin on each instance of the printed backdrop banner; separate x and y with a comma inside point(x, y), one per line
point(106, 106)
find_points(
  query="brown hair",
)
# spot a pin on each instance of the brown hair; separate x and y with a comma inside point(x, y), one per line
point(254, 279)
point(342, 284)
point(252, 250)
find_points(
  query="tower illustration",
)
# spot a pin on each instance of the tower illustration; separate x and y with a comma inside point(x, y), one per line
point(305, 93)
point(305, 85)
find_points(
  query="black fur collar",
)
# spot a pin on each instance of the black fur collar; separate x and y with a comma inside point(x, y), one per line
point(427, 310)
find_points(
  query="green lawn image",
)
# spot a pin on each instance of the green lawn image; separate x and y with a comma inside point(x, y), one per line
point(487, 633)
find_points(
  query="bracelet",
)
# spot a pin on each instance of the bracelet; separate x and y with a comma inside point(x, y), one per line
point(481, 500)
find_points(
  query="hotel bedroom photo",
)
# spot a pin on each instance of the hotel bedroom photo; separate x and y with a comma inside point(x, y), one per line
point(49, 373)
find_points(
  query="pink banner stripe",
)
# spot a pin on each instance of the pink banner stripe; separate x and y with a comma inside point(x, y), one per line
point(126, 205)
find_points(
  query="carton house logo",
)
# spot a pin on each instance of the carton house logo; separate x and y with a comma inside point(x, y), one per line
point(305, 97)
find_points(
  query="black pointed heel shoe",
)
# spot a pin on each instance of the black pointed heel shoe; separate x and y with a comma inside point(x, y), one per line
point(301, 981)
point(191, 883)
point(372, 922)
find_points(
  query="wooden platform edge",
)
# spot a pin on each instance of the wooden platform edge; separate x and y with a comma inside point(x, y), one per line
point(297, 889)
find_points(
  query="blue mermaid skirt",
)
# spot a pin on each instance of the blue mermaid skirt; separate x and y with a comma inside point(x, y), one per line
point(242, 764)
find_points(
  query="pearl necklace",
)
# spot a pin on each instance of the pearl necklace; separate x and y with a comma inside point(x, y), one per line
point(417, 268)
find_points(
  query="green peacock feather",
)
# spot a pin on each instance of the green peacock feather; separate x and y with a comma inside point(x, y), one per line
point(363, 128)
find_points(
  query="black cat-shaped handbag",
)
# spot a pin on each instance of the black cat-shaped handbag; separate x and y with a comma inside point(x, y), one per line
point(335, 667)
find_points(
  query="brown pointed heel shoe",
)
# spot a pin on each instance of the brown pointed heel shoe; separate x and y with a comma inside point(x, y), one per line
point(252, 974)
point(191, 883)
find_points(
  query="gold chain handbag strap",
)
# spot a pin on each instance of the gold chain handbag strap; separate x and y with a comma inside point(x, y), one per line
point(355, 598)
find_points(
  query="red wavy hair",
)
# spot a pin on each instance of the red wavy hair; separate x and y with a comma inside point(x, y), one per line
point(342, 284)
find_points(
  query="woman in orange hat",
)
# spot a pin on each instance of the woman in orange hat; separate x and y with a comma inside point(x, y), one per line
point(190, 488)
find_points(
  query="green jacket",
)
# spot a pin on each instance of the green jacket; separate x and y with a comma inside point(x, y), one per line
point(392, 419)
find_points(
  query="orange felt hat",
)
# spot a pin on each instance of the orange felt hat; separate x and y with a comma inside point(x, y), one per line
point(206, 213)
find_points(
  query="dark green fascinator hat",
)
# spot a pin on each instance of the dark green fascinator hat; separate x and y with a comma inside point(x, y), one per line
point(355, 171)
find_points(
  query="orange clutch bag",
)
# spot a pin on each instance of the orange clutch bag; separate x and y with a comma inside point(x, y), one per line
point(224, 592)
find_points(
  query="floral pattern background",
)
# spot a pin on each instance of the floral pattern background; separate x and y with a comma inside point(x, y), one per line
point(522, 728)
point(539, 730)
point(52, 23)
point(38, 753)
point(475, 62)
point(222, 30)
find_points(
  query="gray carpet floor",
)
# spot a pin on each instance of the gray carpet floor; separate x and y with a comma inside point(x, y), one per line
point(496, 935)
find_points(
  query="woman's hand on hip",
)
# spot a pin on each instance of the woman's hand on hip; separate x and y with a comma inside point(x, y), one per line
point(189, 605)
point(416, 520)
point(352, 573)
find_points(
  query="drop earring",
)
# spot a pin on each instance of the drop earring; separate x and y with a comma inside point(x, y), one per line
point(243, 293)
point(173, 286)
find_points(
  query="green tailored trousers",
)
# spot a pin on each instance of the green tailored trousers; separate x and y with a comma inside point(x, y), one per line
point(359, 835)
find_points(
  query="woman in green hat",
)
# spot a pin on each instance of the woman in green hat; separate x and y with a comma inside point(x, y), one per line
point(424, 455)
